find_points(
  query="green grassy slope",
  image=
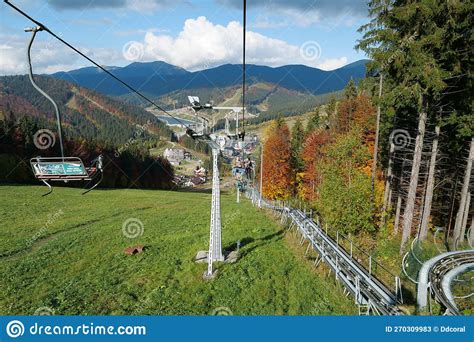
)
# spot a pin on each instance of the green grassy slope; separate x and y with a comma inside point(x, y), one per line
point(76, 262)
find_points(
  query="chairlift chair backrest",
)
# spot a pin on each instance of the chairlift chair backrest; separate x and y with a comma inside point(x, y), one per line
point(58, 168)
point(66, 169)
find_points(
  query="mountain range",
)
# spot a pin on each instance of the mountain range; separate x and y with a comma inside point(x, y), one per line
point(170, 85)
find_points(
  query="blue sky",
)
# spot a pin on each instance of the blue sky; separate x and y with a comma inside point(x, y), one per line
point(188, 33)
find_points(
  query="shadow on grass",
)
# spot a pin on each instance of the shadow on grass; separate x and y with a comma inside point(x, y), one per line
point(193, 190)
point(255, 243)
point(201, 191)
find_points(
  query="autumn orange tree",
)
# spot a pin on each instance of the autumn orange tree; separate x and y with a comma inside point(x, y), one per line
point(278, 174)
point(312, 153)
point(336, 177)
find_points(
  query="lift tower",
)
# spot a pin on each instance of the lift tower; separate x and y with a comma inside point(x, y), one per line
point(215, 241)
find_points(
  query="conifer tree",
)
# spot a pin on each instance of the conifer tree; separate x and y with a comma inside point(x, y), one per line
point(403, 40)
point(297, 136)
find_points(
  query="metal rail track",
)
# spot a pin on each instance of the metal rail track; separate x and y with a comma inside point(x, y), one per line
point(370, 294)
point(436, 275)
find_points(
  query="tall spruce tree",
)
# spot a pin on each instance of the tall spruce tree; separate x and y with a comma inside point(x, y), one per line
point(403, 39)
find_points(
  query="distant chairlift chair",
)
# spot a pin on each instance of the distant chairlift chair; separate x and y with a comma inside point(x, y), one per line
point(196, 106)
point(65, 169)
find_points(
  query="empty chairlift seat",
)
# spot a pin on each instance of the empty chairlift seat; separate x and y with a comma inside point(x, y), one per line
point(58, 168)
point(66, 169)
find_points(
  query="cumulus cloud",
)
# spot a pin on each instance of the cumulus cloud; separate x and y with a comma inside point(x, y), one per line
point(202, 44)
point(48, 56)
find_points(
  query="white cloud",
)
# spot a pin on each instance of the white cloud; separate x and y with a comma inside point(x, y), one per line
point(331, 64)
point(202, 44)
point(47, 56)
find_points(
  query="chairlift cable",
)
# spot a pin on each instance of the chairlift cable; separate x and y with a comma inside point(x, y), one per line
point(44, 28)
point(244, 75)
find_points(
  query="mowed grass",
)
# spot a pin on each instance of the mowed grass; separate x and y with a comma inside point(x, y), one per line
point(65, 252)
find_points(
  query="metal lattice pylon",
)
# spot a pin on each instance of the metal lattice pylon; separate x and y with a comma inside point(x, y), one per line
point(215, 242)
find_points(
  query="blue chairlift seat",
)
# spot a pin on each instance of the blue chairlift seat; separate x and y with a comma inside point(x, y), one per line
point(66, 169)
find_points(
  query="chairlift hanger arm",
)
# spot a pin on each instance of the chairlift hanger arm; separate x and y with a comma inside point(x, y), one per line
point(38, 88)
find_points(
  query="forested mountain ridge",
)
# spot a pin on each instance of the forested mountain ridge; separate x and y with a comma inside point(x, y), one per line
point(281, 89)
point(86, 114)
